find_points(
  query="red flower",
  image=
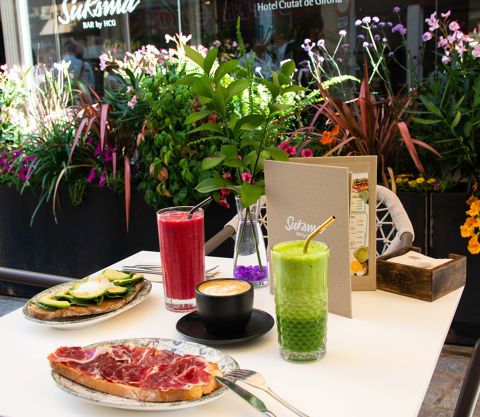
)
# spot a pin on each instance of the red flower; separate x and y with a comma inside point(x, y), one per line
point(212, 118)
point(290, 150)
point(307, 153)
point(247, 177)
point(223, 201)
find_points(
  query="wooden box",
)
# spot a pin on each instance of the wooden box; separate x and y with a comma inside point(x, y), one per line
point(424, 284)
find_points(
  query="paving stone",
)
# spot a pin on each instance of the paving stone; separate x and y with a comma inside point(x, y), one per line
point(8, 304)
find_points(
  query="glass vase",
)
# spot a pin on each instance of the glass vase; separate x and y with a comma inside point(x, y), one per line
point(250, 256)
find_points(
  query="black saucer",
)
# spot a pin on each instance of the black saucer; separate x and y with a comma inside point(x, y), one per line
point(192, 328)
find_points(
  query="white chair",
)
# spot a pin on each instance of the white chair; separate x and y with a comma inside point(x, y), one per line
point(394, 229)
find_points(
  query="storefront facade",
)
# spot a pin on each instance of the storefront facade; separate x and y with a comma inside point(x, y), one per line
point(45, 31)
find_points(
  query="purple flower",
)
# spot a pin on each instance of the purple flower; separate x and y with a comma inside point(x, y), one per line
point(396, 9)
point(375, 19)
point(374, 27)
point(102, 180)
point(400, 29)
point(361, 37)
point(108, 155)
point(251, 273)
point(446, 59)
point(391, 54)
point(91, 176)
point(377, 37)
point(446, 15)
point(436, 185)
point(389, 24)
point(454, 26)
point(432, 22)
point(381, 25)
point(426, 36)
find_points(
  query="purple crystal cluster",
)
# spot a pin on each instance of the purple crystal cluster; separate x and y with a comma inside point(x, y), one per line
point(251, 273)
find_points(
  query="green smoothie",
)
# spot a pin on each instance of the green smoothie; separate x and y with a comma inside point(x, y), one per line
point(301, 299)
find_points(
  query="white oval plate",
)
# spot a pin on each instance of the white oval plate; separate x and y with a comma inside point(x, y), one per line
point(85, 321)
point(225, 362)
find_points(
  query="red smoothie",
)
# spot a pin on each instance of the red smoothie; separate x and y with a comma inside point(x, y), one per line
point(183, 255)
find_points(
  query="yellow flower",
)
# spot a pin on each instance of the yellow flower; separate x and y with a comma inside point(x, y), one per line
point(474, 245)
point(412, 183)
point(431, 181)
point(420, 180)
point(398, 180)
point(466, 231)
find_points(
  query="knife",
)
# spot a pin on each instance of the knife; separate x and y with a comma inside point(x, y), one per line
point(246, 395)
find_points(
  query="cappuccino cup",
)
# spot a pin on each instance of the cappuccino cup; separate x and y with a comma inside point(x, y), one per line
point(224, 305)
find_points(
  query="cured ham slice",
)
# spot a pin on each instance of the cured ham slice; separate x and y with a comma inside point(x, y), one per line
point(137, 372)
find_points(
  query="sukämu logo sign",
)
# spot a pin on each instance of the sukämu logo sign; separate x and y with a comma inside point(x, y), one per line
point(299, 226)
point(92, 9)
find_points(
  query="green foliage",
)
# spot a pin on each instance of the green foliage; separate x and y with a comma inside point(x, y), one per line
point(448, 117)
point(246, 116)
point(169, 163)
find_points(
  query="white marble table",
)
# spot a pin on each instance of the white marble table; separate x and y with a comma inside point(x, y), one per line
point(378, 364)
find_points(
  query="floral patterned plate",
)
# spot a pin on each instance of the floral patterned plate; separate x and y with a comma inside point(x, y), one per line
point(225, 362)
point(85, 321)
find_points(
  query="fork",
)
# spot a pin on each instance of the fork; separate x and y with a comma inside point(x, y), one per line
point(254, 379)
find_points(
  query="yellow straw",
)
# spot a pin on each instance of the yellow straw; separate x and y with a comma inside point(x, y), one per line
point(318, 230)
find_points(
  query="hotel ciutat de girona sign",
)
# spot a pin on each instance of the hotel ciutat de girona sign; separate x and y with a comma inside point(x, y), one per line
point(95, 14)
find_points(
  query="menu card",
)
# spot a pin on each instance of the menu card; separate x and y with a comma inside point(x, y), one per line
point(304, 192)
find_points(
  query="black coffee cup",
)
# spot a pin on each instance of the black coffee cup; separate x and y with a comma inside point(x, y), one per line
point(224, 305)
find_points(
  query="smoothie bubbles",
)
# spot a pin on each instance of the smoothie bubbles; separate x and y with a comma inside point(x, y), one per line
point(181, 237)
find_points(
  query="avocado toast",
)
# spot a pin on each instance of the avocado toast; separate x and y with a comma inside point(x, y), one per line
point(93, 295)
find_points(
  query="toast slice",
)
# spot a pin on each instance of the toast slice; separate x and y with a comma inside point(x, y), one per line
point(108, 304)
point(161, 376)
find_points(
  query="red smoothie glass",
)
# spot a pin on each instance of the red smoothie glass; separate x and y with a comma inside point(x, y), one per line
point(182, 252)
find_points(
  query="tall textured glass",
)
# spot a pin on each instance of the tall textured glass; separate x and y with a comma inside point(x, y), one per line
point(182, 252)
point(250, 256)
point(300, 282)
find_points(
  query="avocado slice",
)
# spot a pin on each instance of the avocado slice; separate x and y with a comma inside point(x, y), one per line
point(62, 295)
point(84, 295)
point(130, 281)
point(113, 275)
point(48, 301)
point(116, 291)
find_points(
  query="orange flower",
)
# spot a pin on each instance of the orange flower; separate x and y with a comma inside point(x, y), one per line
point(326, 138)
point(335, 131)
point(466, 231)
point(474, 245)
point(471, 221)
point(474, 208)
point(472, 199)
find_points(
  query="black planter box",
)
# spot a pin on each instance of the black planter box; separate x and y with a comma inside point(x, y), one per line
point(86, 238)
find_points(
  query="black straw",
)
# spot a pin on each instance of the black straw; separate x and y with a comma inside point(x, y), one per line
point(199, 205)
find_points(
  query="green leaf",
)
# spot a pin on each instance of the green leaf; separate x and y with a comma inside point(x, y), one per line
point(456, 121)
point(213, 184)
point(224, 69)
point(277, 107)
point(237, 87)
point(234, 163)
point(274, 90)
point(201, 87)
point(248, 141)
point(288, 68)
point(187, 79)
point(195, 117)
point(210, 127)
point(426, 121)
point(212, 161)
point(195, 56)
point(277, 154)
point(230, 151)
point(275, 79)
point(431, 106)
point(210, 60)
point(250, 122)
point(218, 100)
point(250, 193)
point(293, 89)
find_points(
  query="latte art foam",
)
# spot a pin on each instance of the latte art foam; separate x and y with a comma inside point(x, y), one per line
point(224, 287)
